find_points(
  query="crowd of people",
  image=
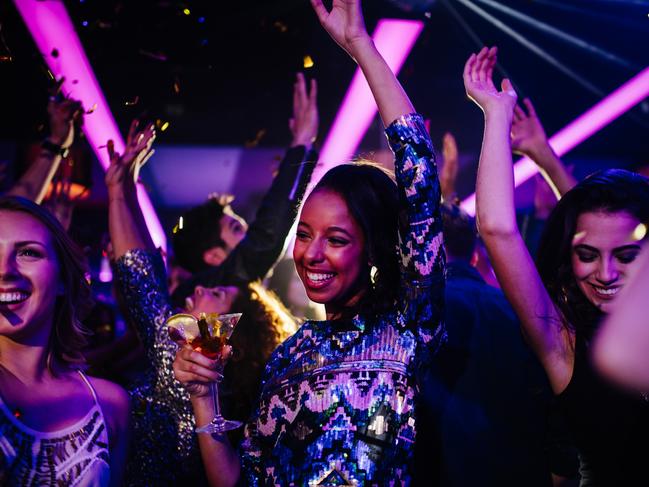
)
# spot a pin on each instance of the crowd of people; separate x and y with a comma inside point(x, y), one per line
point(447, 355)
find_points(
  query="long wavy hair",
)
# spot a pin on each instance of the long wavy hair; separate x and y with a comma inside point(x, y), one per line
point(264, 324)
point(610, 191)
point(68, 335)
point(371, 195)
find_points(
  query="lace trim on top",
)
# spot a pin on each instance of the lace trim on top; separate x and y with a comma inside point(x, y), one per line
point(73, 456)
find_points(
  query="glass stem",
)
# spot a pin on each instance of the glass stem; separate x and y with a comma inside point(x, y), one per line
point(215, 399)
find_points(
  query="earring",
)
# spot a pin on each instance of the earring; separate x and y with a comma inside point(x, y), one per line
point(373, 274)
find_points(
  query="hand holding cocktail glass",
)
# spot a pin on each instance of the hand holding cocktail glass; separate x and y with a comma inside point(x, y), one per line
point(207, 335)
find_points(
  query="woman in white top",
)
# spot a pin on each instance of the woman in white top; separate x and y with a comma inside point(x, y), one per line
point(57, 426)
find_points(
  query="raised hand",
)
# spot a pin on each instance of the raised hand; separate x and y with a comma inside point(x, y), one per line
point(195, 371)
point(344, 23)
point(528, 136)
point(305, 120)
point(124, 169)
point(479, 85)
point(62, 115)
point(448, 173)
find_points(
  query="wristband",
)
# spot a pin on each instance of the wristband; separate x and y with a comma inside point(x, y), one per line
point(56, 149)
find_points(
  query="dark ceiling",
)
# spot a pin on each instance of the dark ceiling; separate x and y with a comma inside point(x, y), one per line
point(222, 74)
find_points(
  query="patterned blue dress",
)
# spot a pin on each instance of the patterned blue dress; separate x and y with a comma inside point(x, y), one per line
point(337, 403)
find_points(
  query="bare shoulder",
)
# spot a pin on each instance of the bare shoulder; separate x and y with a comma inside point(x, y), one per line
point(114, 402)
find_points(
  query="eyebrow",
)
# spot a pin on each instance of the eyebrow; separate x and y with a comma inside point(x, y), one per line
point(616, 249)
point(338, 229)
point(329, 229)
point(29, 242)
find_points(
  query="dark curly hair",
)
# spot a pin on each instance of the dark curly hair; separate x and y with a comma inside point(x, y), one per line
point(200, 230)
point(264, 324)
point(371, 195)
point(611, 190)
point(68, 336)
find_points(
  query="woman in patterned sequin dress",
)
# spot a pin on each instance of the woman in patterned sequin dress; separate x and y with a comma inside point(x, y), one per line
point(337, 403)
point(57, 426)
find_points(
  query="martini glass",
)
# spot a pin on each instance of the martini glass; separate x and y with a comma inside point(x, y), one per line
point(208, 335)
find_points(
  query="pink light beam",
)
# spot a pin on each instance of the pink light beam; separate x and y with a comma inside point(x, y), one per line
point(394, 39)
point(617, 103)
point(53, 31)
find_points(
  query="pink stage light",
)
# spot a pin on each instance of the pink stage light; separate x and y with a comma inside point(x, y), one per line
point(621, 100)
point(394, 39)
point(53, 32)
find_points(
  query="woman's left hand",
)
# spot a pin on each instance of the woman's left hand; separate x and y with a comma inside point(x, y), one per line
point(478, 81)
point(124, 169)
point(344, 23)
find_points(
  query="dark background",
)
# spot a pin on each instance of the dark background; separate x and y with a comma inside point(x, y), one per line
point(223, 74)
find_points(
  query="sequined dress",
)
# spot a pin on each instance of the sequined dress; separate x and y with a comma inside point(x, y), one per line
point(337, 403)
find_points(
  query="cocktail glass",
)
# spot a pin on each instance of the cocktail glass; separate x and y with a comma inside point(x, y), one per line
point(208, 335)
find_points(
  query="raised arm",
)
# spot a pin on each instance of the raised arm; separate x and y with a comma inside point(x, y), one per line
point(528, 138)
point(125, 220)
point(34, 184)
point(264, 241)
point(420, 237)
point(497, 222)
point(345, 25)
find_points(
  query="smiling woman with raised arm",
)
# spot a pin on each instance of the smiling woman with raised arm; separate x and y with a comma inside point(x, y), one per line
point(58, 426)
point(337, 401)
point(587, 250)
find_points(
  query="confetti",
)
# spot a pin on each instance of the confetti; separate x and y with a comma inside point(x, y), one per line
point(307, 62)
point(187, 11)
point(161, 125)
point(255, 142)
point(280, 26)
point(92, 109)
point(55, 53)
point(6, 59)
point(133, 102)
point(158, 56)
point(176, 85)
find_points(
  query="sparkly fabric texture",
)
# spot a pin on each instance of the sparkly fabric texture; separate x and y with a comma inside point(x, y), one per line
point(337, 404)
point(75, 456)
point(163, 450)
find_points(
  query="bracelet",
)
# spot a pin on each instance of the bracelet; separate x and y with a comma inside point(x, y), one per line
point(56, 149)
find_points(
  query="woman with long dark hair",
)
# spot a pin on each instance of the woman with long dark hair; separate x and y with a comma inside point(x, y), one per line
point(58, 426)
point(585, 256)
point(337, 401)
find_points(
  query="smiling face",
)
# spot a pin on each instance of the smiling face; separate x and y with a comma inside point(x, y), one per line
point(329, 253)
point(29, 277)
point(603, 250)
point(217, 299)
